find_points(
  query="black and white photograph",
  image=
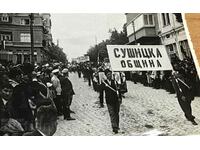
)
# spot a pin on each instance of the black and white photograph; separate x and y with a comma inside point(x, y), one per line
point(97, 74)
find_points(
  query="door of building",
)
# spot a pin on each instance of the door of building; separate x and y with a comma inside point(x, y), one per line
point(26, 58)
point(19, 58)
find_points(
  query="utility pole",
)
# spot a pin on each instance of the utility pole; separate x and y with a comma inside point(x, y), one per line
point(32, 40)
point(97, 50)
point(134, 32)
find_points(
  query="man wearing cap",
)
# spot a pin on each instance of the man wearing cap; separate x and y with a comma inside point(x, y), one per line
point(113, 99)
point(67, 95)
point(57, 87)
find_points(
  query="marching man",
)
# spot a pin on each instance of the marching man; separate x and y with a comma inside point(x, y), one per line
point(184, 92)
point(113, 99)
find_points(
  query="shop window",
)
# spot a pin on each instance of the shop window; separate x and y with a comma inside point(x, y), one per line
point(26, 58)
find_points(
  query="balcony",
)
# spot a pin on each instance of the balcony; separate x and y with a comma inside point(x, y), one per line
point(143, 28)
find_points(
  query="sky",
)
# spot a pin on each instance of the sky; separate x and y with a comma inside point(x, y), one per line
point(76, 32)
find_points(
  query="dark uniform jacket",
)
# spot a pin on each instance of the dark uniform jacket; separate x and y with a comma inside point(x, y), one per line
point(182, 86)
point(112, 97)
point(20, 104)
point(3, 112)
point(66, 86)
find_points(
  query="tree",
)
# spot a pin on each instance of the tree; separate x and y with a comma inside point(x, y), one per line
point(100, 50)
point(57, 53)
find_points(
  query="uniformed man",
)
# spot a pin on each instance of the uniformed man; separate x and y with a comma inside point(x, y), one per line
point(184, 92)
point(113, 99)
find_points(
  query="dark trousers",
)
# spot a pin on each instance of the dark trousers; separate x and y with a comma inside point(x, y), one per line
point(113, 110)
point(58, 103)
point(187, 109)
point(94, 85)
point(66, 103)
point(101, 95)
point(89, 81)
point(79, 74)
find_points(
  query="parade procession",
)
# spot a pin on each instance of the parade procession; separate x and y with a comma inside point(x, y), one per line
point(132, 78)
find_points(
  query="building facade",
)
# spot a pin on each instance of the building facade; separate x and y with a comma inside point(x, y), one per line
point(16, 39)
point(142, 28)
point(47, 36)
point(173, 36)
point(156, 29)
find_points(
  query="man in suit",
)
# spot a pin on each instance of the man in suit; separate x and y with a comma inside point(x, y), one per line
point(113, 99)
point(67, 95)
point(182, 86)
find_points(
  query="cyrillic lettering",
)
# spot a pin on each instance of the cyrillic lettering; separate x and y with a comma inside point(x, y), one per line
point(144, 63)
point(158, 53)
point(130, 53)
point(129, 64)
point(115, 52)
point(151, 52)
point(151, 63)
point(123, 52)
point(123, 63)
point(158, 63)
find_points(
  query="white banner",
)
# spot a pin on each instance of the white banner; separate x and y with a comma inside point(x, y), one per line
point(138, 57)
point(83, 59)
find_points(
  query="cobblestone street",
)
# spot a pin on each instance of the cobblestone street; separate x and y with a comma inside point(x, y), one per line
point(143, 109)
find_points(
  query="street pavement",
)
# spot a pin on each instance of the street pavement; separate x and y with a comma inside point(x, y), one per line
point(144, 111)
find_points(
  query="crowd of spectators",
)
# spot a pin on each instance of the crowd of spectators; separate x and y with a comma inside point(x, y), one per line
point(28, 95)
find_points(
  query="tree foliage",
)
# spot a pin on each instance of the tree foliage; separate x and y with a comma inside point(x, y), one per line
point(57, 53)
point(100, 50)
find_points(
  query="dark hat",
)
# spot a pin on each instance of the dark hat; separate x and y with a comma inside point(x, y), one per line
point(27, 68)
point(48, 71)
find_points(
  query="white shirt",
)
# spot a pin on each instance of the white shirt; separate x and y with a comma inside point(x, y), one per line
point(56, 84)
point(4, 101)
